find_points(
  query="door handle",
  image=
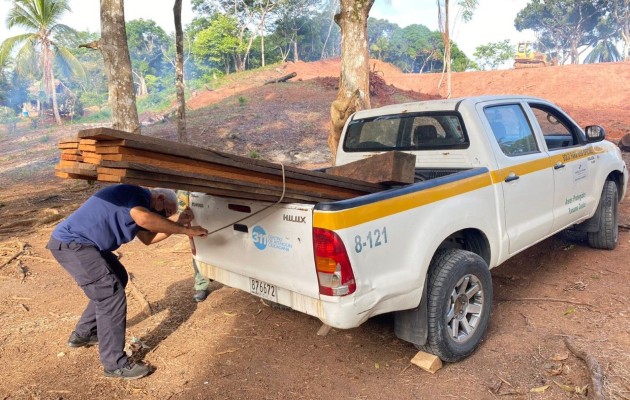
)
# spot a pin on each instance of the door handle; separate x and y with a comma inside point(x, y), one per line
point(511, 177)
point(558, 165)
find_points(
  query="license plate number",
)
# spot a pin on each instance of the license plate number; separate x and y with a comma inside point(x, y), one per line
point(263, 289)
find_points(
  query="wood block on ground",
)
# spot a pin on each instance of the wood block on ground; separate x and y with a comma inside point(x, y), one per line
point(392, 167)
point(427, 362)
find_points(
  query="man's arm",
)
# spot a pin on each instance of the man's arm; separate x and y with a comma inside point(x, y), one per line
point(159, 228)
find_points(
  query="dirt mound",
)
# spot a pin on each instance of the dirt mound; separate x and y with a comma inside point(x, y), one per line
point(590, 93)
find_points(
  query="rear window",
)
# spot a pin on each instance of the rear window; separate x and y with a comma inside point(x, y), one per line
point(425, 131)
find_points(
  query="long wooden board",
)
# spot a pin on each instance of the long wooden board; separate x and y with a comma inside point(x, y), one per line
point(162, 146)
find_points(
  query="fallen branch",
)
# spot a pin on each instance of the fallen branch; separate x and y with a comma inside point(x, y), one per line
point(282, 78)
point(22, 247)
point(547, 299)
point(146, 307)
point(595, 371)
point(624, 226)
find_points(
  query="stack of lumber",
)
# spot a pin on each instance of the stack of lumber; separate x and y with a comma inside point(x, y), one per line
point(108, 155)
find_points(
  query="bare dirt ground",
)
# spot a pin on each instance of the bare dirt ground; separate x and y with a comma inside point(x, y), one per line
point(233, 346)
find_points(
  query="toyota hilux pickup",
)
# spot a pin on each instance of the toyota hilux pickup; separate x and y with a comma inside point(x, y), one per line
point(494, 175)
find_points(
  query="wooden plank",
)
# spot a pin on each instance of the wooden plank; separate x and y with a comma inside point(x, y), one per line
point(235, 174)
point(140, 171)
point(71, 151)
point(87, 142)
point(190, 152)
point(87, 147)
point(82, 172)
point(190, 187)
point(392, 167)
point(68, 145)
point(71, 157)
point(76, 164)
point(66, 175)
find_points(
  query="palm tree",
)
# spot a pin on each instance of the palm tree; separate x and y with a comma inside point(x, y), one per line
point(41, 18)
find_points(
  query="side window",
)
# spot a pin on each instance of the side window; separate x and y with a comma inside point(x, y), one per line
point(556, 131)
point(511, 129)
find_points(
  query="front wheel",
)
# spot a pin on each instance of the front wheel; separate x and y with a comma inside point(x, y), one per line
point(459, 302)
point(607, 235)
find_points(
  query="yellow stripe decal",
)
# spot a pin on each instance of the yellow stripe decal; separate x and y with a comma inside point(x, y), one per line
point(335, 220)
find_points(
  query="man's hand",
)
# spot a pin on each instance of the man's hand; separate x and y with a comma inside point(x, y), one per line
point(185, 217)
point(196, 231)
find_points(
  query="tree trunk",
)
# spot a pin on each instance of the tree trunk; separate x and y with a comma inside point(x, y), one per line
point(54, 97)
point(443, 22)
point(262, 49)
point(332, 21)
point(49, 80)
point(113, 45)
point(179, 73)
point(354, 82)
point(296, 57)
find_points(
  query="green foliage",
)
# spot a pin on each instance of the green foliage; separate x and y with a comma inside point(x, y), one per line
point(92, 99)
point(492, 55)
point(241, 101)
point(218, 42)
point(565, 25)
point(255, 154)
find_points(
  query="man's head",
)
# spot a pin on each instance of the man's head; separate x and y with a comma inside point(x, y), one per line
point(163, 201)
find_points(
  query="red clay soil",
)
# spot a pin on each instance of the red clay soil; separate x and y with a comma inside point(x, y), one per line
point(591, 93)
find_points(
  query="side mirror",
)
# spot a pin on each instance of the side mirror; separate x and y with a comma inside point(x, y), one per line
point(595, 133)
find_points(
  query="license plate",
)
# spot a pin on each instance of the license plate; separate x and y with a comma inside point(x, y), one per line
point(263, 289)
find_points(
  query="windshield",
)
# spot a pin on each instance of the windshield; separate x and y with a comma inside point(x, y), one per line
point(424, 131)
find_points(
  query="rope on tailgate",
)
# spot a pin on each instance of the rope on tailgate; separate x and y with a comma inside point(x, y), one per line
point(284, 189)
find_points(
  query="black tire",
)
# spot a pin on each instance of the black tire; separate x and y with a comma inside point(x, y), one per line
point(453, 273)
point(608, 234)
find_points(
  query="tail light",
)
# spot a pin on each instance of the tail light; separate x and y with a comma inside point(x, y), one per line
point(334, 271)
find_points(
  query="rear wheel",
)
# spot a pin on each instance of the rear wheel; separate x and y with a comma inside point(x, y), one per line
point(459, 303)
point(608, 234)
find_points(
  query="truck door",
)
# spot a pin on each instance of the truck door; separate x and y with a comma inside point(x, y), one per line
point(525, 178)
point(572, 159)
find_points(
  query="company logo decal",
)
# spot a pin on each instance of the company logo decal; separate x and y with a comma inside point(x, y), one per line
point(262, 240)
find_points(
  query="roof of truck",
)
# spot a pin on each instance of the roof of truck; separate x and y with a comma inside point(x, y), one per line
point(435, 105)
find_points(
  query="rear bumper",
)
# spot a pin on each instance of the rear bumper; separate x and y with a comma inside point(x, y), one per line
point(343, 312)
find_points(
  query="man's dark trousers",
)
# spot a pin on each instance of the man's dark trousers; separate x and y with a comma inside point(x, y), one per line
point(103, 279)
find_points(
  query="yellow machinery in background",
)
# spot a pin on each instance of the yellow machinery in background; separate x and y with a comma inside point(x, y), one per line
point(527, 57)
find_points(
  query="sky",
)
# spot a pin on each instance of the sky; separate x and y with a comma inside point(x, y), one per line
point(493, 20)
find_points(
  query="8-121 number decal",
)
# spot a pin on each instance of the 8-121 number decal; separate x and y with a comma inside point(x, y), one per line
point(373, 239)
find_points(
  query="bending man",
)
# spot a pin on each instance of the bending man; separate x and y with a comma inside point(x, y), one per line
point(83, 245)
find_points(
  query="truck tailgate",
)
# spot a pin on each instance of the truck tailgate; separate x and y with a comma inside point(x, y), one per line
point(272, 247)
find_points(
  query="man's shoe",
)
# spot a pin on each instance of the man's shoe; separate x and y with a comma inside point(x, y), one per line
point(79, 341)
point(200, 295)
point(129, 371)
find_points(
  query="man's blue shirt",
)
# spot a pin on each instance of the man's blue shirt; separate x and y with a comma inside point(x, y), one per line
point(104, 220)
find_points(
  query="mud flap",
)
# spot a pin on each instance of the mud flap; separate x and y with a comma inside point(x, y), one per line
point(411, 325)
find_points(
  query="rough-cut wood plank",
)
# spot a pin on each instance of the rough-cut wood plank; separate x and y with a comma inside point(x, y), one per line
point(235, 174)
point(211, 183)
point(68, 145)
point(392, 167)
point(76, 164)
point(78, 171)
point(192, 188)
point(71, 157)
point(176, 149)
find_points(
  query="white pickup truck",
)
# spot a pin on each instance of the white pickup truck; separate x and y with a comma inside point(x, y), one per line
point(494, 176)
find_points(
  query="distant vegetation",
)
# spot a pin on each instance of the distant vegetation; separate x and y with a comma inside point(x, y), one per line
point(223, 39)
